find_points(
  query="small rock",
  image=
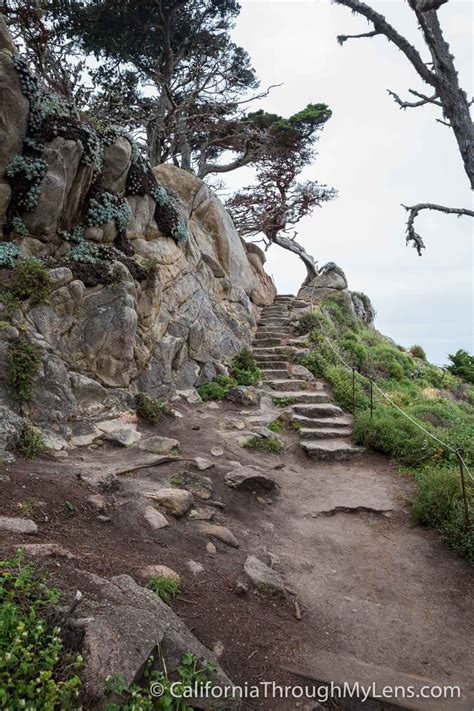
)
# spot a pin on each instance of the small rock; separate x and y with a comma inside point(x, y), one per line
point(233, 464)
point(217, 451)
point(203, 513)
point(18, 525)
point(191, 396)
point(177, 501)
point(197, 484)
point(299, 371)
point(45, 550)
point(104, 519)
point(158, 571)
point(218, 649)
point(203, 464)
point(154, 518)
point(158, 445)
point(221, 533)
point(4, 478)
point(97, 501)
point(250, 478)
point(176, 414)
point(244, 395)
point(213, 406)
point(211, 549)
point(235, 425)
point(123, 437)
point(264, 578)
point(240, 588)
point(194, 567)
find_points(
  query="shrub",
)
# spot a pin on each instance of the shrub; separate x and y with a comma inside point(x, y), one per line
point(341, 381)
point(244, 368)
point(265, 444)
point(212, 391)
point(307, 322)
point(438, 504)
point(31, 281)
point(148, 408)
point(284, 401)
point(9, 254)
point(31, 442)
point(389, 432)
point(462, 365)
point(23, 363)
point(35, 671)
point(164, 586)
point(276, 425)
point(190, 672)
point(418, 352)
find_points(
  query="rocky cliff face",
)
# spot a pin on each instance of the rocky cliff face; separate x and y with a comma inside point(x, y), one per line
point(150, 286)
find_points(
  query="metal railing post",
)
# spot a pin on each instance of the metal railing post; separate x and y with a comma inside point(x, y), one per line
point(463, 489)
point(353, 389)
point(371, 398)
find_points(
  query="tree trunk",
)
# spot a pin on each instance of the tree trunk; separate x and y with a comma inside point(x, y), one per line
point(452, 97)
point(307, 259)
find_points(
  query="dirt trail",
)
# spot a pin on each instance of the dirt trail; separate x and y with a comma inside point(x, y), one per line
point(372, 588)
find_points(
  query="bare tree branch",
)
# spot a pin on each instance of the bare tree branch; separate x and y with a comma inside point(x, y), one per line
point(425, 5)
point(414, 210)
point(343, 38)
point(415, 104)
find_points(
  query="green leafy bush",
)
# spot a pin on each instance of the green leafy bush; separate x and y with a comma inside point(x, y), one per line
point(9, 254)
point(341, 381)
point(31, 281)
point(307, 322)
point(438, 504)
point(148, 408)
point(276, 425)
point(190, 673)
point(389, 432)
point(164, 586)
point(31, 442)
point(272, 445)
point(23, 363)
point(244, 368)
point(212, 391)
point(462, 365)
point(418, 352)
point(35, 671)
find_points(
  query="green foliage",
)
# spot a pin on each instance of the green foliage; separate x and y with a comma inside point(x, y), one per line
point(9, 254)
point(438, 504)
point(284, 401)
point(31, 281)
point(276, 425)
point(308, 321)
point(23, 363)
point(189, 673)
point(164, 586)
point(391, 433)
point(107, 207)
point(9, 302)
point(25, 175)
point(35, 671)
point(244, 368)
point(30, 443)
point(341, 381)
point(149, 408)
point(214, 390)
point(272, 445)
point(462, 365)
point(418, 352)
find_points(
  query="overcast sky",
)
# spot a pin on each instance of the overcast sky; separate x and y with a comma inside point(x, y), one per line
point(377, 156)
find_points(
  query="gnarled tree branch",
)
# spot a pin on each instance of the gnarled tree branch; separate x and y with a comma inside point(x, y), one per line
point(414, 210)
point(415, 104)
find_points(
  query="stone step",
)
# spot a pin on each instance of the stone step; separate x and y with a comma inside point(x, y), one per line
point(276, 312)
point(278, 351)
point(276, 373)
point(324, 433)
point(307, 398)
point(331, 449)
point(316, 423)
point(267, 342)
point(272, 358)
point(309, 409)
point(287, 384)
point(269, 334)
point(300, 304)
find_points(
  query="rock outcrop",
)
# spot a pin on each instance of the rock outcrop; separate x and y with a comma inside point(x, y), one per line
point(331, 281)
point(151, 287)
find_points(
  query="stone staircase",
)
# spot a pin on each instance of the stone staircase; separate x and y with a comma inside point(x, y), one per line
point(324, 429)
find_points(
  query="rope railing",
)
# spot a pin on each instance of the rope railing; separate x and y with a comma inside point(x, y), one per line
point(456, 451)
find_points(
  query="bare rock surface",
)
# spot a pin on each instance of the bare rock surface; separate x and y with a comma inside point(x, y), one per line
point(265, 579)
point(18, 525)
point(250, 478)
